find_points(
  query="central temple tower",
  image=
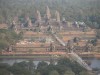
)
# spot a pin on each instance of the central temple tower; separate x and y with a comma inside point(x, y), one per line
point(57, 16)
point(48, 14)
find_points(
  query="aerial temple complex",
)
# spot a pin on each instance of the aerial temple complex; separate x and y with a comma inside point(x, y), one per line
point(37, 34)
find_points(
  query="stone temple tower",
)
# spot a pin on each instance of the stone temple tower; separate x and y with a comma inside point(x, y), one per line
point(48, 14)
point(14, 25)
point(29, 22)
point(38, 17)
point(57, 16)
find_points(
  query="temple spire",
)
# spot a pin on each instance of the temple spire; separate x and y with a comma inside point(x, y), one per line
point(48, 14)
point(57, 16)
point(29, 22)
point(38, 16)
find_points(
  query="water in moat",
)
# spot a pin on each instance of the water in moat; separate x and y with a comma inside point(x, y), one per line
point(95, 63)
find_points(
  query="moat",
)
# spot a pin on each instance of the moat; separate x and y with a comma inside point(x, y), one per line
point(95, 63)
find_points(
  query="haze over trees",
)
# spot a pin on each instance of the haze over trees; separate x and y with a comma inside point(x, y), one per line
point(64, 67)
point(73, 10)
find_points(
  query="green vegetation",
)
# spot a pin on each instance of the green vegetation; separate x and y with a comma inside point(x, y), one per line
point(73, 10)
point(63, 67)
point(8, 37)
point(54, 73)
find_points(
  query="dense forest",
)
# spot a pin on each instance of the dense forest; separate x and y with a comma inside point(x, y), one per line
point(73, 10)
point(63, 67)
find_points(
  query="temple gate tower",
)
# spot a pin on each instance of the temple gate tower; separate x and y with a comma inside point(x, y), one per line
point(14, 25)
point(70, 45)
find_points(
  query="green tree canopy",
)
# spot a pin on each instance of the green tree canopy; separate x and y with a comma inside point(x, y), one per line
point(54, 72)
point(8, 37)
point(69, 72)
